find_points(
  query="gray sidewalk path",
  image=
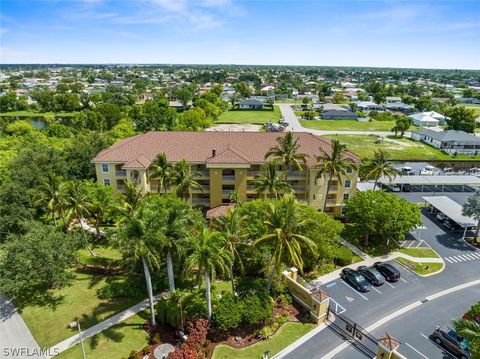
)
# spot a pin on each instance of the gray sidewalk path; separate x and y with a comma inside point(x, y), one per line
point(16, 340)
point(115, 319)
point(354, 249)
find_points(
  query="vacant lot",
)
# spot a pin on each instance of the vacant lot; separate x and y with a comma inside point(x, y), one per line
point(399, 149)
point(247, 116)
point(348, 125)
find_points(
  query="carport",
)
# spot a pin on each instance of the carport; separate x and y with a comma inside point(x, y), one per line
point(435, 181)
point(452, 210)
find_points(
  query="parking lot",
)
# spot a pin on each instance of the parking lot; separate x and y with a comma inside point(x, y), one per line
point(414, 329)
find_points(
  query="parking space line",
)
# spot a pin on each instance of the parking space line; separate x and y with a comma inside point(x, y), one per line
point(416, 350)
point(448, 260)
point(460, 258)
point(389, 284)
point(470, 256)
point(438, 346)
point(376, 290)
point(356, 291)
point(476, 255)
point(403, 280)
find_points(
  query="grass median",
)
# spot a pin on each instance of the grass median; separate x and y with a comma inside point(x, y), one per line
point(421, 268)
point(419, 252)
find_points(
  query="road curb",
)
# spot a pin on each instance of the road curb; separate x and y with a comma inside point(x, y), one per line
point(421, 275)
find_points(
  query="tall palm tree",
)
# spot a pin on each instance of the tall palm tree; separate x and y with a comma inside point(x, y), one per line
point(470, 330)
point(285, 224)
point(378, 166)
point(178, 222)
point(161, 170)
point(184, 179)
point(333, 164)
point(232, 230)
point(471, 208)
point(270, 181)
point(208, 256)
point(132, 198)
point(287, 152)
point(77, 205)
point(133, 239)
point(53, 191)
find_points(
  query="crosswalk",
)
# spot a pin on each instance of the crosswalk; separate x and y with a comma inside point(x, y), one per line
point(463, 257)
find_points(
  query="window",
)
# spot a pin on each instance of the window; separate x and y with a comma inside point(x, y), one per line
point(349, 170)
point(106, 181)
point(344, 212)
point(347, 184)
point(105, 167)
point(346, 196)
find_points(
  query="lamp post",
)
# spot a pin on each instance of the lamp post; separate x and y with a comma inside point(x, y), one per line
point(76, 324)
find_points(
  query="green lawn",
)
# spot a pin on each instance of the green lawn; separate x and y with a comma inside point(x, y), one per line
point(36, 114)
point(348, 125)
point(116, 342)
point(245, 116)
point(79, 300)
point(399, 149)
point(419, 252)
point(421, 268)
point(475, 108)
point(286, 335)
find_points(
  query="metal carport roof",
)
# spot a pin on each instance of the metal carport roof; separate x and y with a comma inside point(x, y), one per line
point(451, 209)
point(433, 180)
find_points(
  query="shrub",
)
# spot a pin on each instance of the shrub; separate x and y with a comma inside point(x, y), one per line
point(132, 355)
point(194, 346)
point(146, 350)
point(227, 313)
point(251, 285)
point(267, 331)
point(282, 319)
point(343, 256)
point(168, 310)
point(257, 308)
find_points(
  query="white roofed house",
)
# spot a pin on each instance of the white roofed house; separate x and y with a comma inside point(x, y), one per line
point(451, 141)
point(428, 119)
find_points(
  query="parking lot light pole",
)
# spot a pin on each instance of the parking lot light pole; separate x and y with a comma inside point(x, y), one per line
point(76, 324)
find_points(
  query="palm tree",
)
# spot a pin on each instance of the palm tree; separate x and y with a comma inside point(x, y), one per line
point(161, 171)
point(232, 230)
point(184, 180)
point(270, 182)
point(77, 205)
point(285, 224)
point(54, 192)
point(333, 164)
point(132, 237)
point(377, 167)
point(132, 198)
point(287, 152)
point(208, 257)
point(178, 222)
point(470, 330)
point(471, 208)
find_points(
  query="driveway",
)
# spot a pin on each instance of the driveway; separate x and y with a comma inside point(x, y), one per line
point(295, 126)
point(16, 340)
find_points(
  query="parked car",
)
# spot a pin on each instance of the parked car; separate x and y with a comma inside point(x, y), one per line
point(355, 279)
point(283, 122)
point(449, 339)
point(441, 217)
point(390, 273)
point(450, 225)
point(372, 275)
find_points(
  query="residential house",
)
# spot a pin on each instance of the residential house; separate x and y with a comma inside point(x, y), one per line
point(394, 99)
point(469, 100)
point(399, 107)
point(428, 119)
point(251, 104)
point(451, 141)
point(224, 162)
point(338, 115)
point(146, 96)
point(369, 106)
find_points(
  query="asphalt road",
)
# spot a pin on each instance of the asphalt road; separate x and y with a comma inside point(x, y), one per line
point(367, 308)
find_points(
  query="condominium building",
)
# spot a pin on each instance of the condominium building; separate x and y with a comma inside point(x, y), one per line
point(224, 162)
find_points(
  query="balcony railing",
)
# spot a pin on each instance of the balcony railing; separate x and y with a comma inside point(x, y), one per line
point(228, 178)
point(121, 187)
point(295, 174)
point(204, 188)
point(332, 189)
point(121, 173)
point(251, 188)
point(254, 173)
point(154, 188)
point(331, 202)
point(203, 173)
point(298, 188)
point(204, 201)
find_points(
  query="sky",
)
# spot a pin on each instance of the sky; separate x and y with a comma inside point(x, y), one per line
point(426, 34)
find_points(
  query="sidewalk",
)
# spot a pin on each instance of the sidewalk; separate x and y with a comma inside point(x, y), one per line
point(115, 319)
point(354, 249)
point(368, 262)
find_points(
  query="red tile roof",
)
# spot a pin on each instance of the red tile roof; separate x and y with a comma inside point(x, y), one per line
point(219, 211)
point(197, 147)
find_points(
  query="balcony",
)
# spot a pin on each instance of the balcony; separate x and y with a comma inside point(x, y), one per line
point(254, 173)
point(121, 187)
point(251, 188)
point(121, 173)
point(204, 189)
point(201, 201)
point(228, 178)
point(332, 189)
point(203, 173)
point(298, 188)
point(332, 202)
point(154, 188)
point(295, 174)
